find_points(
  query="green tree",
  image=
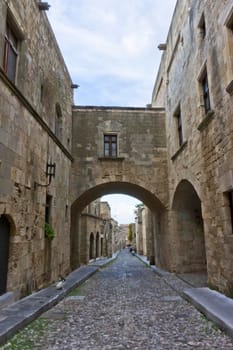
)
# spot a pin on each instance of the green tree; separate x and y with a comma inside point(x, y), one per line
point(139, 205)
point(130, 233)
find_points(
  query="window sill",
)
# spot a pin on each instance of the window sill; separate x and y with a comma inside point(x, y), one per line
point(184, 144)
point(229, 88)
point(205, 122)
point(114, 159)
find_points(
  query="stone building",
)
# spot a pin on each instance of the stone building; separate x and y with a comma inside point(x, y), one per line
point(105, 213)
point(91, 226)
point(99, 232)
point(124, 230)
point(141, 230)
point(195, 86)
point(147, 236)
point(124, 151)
point(175, 155)
point(118, 237)
point(35, 141)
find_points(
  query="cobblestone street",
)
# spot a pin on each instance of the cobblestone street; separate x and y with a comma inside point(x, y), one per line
point(124, 306)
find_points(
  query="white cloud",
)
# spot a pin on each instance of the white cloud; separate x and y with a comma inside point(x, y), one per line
point(111, 40)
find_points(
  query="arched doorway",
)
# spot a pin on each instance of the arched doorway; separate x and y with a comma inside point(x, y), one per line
point(91, 248)
point(97, 245)
point(4, 252)
point(188, 229)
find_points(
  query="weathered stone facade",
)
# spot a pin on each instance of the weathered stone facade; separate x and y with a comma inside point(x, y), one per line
point(29, 105)
point(175, 156)
point(99, 233)
point(139, 168)
point(197, 62)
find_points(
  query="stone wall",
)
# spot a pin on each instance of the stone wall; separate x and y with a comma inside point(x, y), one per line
point(199, 43)
point(141, 158)
point(139, 168)
point(28, 111)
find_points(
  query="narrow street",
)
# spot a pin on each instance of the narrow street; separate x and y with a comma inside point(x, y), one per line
point(124, 306)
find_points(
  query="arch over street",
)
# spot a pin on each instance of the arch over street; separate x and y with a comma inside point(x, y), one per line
point(157, 210)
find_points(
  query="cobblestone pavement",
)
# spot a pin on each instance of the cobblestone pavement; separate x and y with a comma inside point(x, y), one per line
point(124, 306)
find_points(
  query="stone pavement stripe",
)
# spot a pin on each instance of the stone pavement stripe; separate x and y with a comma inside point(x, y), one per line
point(18, 315)
point(214, 305)
point(126, 306)
point(6, 299)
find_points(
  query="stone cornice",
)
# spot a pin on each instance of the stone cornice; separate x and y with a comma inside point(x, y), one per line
point(116, 108)
point(109, 159)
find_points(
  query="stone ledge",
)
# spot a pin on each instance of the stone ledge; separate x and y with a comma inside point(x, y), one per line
point(114, 159)
point(184, 144)
point(214, 305)
point(205, 122)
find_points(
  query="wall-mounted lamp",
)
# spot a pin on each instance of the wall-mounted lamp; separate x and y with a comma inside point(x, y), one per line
point(50, 172)
point(43, 6)
point(162, 47)
point(75, 86)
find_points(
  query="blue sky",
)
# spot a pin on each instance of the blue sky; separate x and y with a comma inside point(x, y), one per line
point(110, 48)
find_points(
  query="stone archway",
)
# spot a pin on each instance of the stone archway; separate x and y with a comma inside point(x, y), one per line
point(4, 252)
point(188, 229)
point(151, 201)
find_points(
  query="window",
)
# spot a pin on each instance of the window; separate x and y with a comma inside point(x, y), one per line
point(10, 53)
point(58, 121)
point(202, 27)
point(110, 145)
point(229, 21)
point(177, 115)
point(48, 206)
point(206, 96)
point(229, 52)
point(230, 26)
point(66, 213)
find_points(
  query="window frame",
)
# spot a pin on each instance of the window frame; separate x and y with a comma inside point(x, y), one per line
point(58, 121)
point(229, 50)
point(179, 125)
point(230, 201)
point(202, 26)
point(11, 53)
point(110, 151)
point(48, 208)
point(206, 92)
